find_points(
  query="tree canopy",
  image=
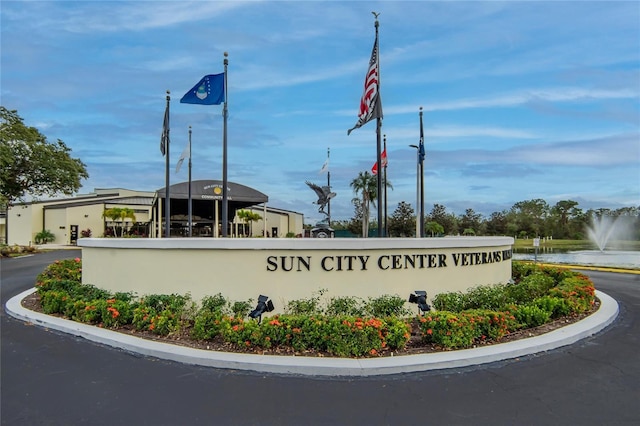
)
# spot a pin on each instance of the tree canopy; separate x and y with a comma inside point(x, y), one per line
point(403, 221)
point(30, 165)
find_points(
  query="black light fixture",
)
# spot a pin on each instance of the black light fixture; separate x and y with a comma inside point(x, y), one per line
point(420, 298)
point(264, 305)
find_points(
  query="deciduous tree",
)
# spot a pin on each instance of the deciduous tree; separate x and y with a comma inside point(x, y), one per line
point(30, 165)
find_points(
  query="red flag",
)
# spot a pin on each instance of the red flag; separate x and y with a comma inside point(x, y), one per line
point(370, 104)
point(383, 157)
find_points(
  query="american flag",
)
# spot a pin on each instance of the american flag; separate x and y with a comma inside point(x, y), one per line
point(370, 105)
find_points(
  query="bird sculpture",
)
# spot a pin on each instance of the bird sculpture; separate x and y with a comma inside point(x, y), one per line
point(324, 195)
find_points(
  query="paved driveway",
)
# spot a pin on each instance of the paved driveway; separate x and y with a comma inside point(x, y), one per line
point(50, 378)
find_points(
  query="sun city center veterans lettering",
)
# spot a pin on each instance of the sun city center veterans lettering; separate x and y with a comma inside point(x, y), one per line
point(384, 262)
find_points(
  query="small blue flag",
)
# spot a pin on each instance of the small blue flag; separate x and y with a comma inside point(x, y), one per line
point(208, 91)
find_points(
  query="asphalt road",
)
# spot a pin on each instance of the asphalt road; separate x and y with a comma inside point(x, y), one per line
point(49, 378)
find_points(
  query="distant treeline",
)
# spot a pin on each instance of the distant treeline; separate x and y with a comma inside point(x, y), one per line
point(525, 219)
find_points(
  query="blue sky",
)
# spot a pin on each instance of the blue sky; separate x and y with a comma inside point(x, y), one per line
point(521, 100)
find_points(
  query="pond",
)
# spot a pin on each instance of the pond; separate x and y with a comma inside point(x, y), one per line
point(610, 258)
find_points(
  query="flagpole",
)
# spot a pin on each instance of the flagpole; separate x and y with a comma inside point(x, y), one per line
point(190, 211)
point(225, 113)
point(386, 229)
point(379, 142)
point(418, 227)
point(329, 185)
point(421, 154)
point(167, 194)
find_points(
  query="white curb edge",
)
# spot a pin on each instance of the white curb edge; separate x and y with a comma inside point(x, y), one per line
point(316, 366)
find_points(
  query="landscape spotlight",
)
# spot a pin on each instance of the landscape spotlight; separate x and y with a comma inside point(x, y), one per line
point(420, 298)
point(264, 305)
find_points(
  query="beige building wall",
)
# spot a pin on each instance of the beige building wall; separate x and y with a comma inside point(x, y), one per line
point(56, 222)
point(284, 221)
point(24, 222)
point(87, 217)
point(85, 211)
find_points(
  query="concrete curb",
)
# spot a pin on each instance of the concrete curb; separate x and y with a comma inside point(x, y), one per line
point(314, 366)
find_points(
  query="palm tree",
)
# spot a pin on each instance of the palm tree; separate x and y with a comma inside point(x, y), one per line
point(366, 184)
point(117, 213)
point(126, 213)
point(248, 216)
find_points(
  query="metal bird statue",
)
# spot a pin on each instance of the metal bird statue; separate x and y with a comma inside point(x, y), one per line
point(324, 195)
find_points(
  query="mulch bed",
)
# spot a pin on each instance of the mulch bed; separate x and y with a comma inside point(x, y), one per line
point(415, 345)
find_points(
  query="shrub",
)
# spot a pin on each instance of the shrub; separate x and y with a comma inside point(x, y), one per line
point(529, 316)
point(447, 329)
point(450, 301)
point(215, 303)
point(578, 291)
point(348, 305)
point(207, 325)
point(54, 301)
point(491, 324)
point(44, 236)
point(88, 311)
point(241, 309)
point(310, 306)
point(386, 306)
point(160, 314)
point(529, 288)
point(68, 269)
point(115, 312)
point(556, 306)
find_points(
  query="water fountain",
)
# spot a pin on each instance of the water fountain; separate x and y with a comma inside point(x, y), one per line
point(602, 230)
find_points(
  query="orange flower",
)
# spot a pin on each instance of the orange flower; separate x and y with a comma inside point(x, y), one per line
point(429, 331)
point(274, 322)
point(373, 352)
point(235, 327)
point(151, 327)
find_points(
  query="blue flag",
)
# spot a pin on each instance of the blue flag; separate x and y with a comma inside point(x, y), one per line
point(208, 91)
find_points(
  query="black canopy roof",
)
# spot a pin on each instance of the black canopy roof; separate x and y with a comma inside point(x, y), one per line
point(212, 190)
